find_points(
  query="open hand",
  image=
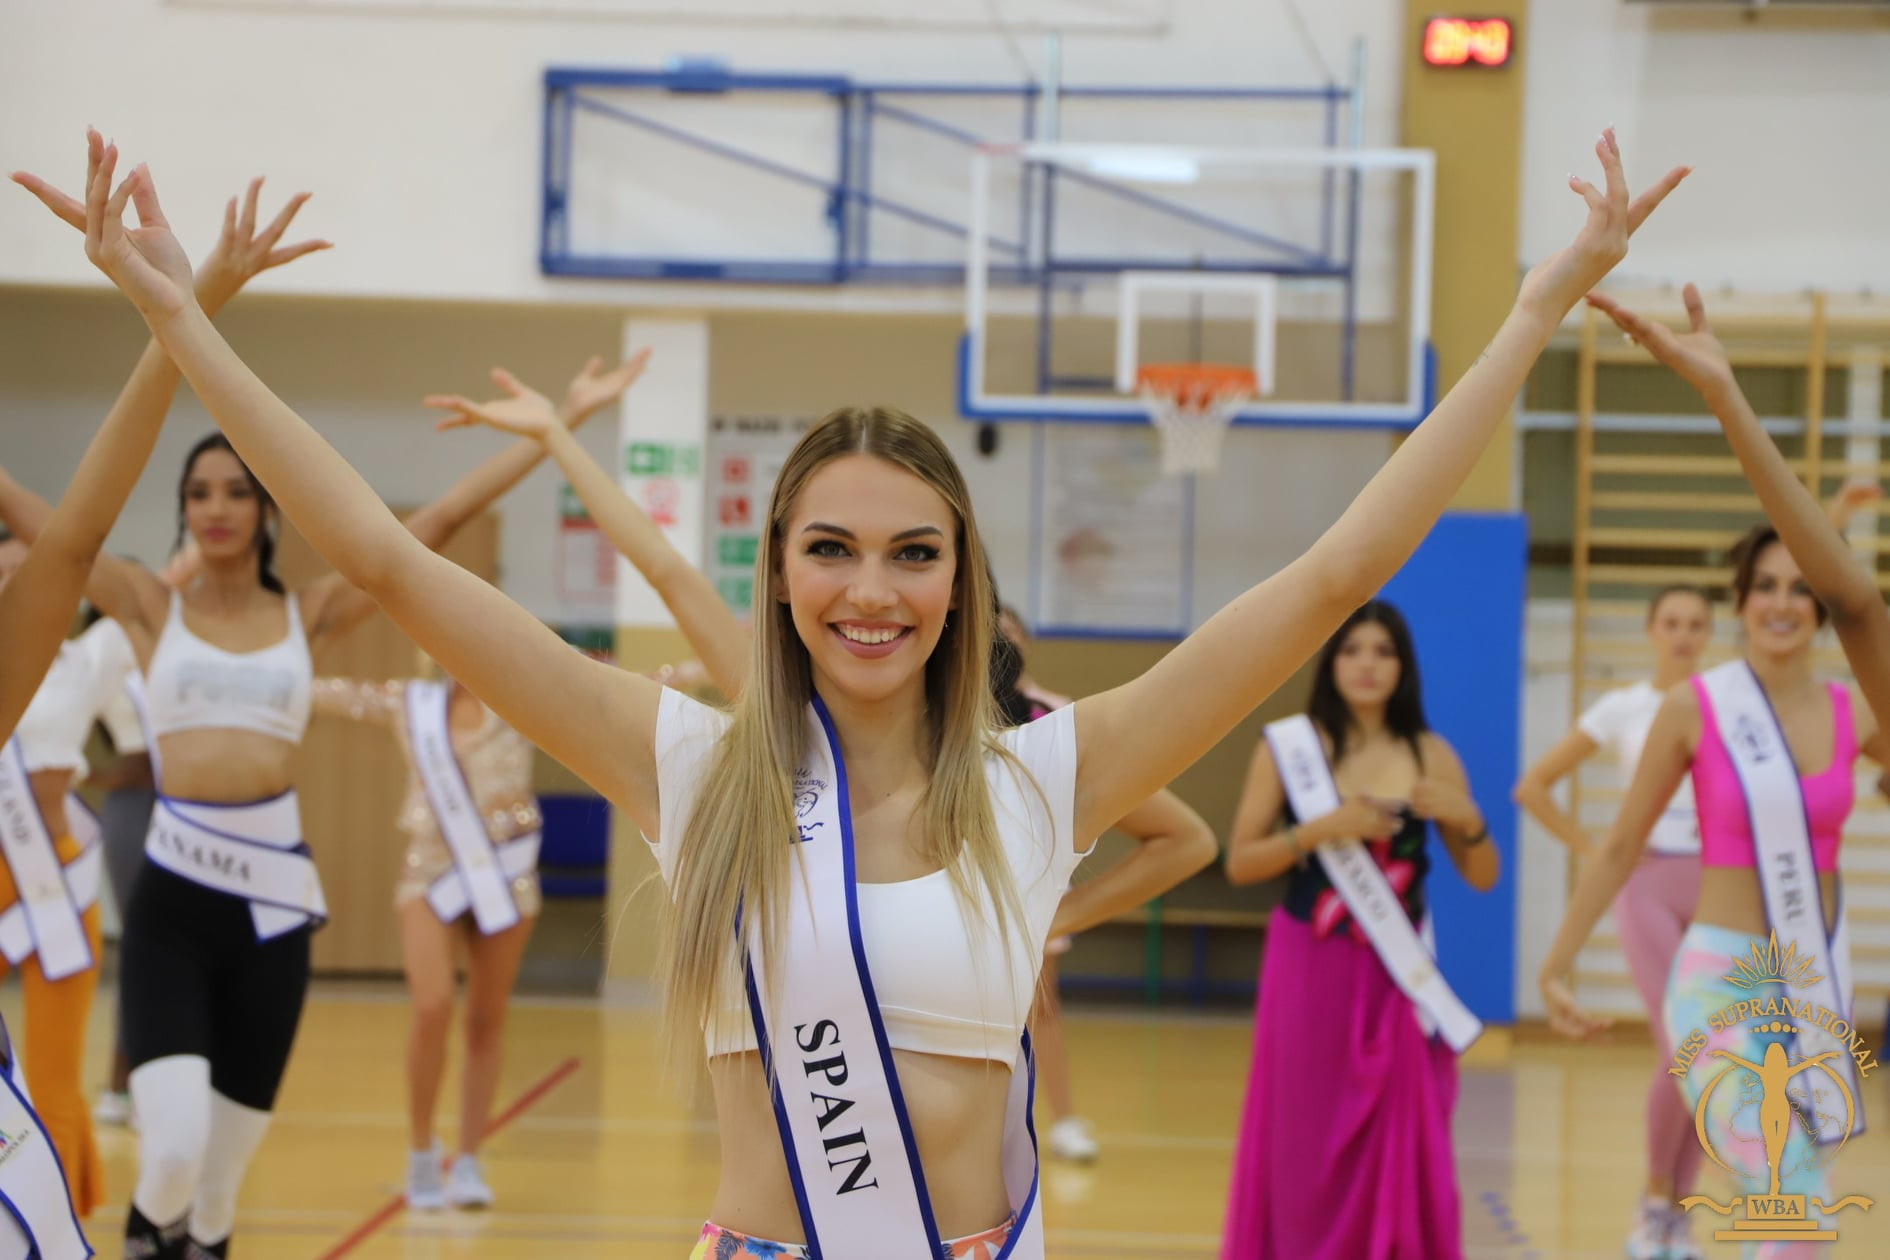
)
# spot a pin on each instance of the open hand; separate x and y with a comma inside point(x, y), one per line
point(1555, 284)
point(524, 411)
point(146, 262)
point(242, 253)
point(1566, 1015)
point(591, 389)
point(1695, 354)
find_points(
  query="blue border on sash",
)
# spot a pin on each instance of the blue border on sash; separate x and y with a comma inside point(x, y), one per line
point(18, 750)
point(866, 980)
point(1030, 1127)
point(505, 881)
point(774, 1097)
point(1826, 929)
point(301, 849)
point(6, 1078)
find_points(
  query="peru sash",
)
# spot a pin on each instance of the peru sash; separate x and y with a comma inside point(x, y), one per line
point(1376, 910)
point(36, 1217)
point(837, 1100)
point(1788, 876)
point(47, 920)
point(483, 878)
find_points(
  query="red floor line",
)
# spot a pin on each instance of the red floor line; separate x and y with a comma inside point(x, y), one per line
point(394, 1206)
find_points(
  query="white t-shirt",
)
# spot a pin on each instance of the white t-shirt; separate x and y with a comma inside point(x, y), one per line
point(942, 989)
point(1619, 722)
point(114, 660)
point(78, 688)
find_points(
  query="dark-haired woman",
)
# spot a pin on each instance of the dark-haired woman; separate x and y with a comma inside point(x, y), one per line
point(1344, 1150)
point(1770, 825)
point(1656, 904)
point(216, 939)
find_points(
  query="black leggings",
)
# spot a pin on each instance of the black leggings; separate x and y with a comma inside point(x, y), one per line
point(195, 981)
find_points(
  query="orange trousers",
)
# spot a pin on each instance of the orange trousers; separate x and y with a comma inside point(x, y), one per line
point(53, 1051)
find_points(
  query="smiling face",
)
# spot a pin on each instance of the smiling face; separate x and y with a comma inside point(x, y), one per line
point(222, 510)
point(1366, 669)
point(868, 568)
point(1778, 610)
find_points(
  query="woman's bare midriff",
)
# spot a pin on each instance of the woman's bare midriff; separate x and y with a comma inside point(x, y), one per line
point(225, 766)
point(957, 1109)
point(1730, 897)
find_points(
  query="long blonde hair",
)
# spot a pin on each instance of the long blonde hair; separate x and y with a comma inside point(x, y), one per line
point(734, 856)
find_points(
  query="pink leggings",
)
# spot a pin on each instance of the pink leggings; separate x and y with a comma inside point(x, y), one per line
point(1650, 916)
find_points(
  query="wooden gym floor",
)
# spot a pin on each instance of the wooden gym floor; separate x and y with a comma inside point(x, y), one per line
point(599, 1159)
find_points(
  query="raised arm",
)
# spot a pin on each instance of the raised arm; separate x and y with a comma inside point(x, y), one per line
point(1840, 581)
point(718, 636)
point(37, 608)
point(333, 606)
point(1535, 791)
point(1142, 734)
point(357, 699)
point(1174, 843)
point(1664, 761)
point(597, 720)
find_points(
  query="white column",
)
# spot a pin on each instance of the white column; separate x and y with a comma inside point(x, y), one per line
point(661, 449)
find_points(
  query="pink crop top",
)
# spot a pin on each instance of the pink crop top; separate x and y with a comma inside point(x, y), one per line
point(1725, 826)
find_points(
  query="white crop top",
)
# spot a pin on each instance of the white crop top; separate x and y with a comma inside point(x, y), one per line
point(88, 672)
point(941, 989)
point(1619, 722)
point(192, 685)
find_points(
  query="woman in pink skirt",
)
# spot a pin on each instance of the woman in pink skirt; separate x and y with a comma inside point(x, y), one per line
point(1344, 1150)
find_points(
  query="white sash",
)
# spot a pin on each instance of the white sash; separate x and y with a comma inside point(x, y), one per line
point(1407, 957)
point(216, 846)
point(837, 1101)
point(32, 1181)
point(252, 851)
point(485, 884)
point(49, 910)
point(1788, 876)
point(448, 896)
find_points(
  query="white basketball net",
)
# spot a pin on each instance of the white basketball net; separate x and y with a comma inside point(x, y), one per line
point(1191, 423)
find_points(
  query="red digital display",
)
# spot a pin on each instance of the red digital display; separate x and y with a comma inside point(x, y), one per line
point(1458, 41)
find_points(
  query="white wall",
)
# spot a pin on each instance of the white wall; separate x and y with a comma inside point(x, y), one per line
point(357, 371)
point(420, 134)
point(1780, 117)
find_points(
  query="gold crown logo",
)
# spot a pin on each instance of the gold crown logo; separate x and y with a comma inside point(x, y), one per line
point(1766, 965)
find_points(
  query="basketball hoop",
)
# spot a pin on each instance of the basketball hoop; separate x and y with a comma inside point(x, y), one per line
point(1191, 405)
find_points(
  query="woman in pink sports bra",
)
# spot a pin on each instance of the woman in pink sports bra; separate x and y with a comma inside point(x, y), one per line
point(1656, 904)
point(1824, 728)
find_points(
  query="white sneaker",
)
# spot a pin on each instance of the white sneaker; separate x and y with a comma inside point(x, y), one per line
point(1648, 1239)
point(465, 1188)
point(114, 1110)
point(1680, 1244)
point(1071, 1139)
point(425, 1192)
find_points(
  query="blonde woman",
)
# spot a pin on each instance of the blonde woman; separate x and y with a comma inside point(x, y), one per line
point(863, 754)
